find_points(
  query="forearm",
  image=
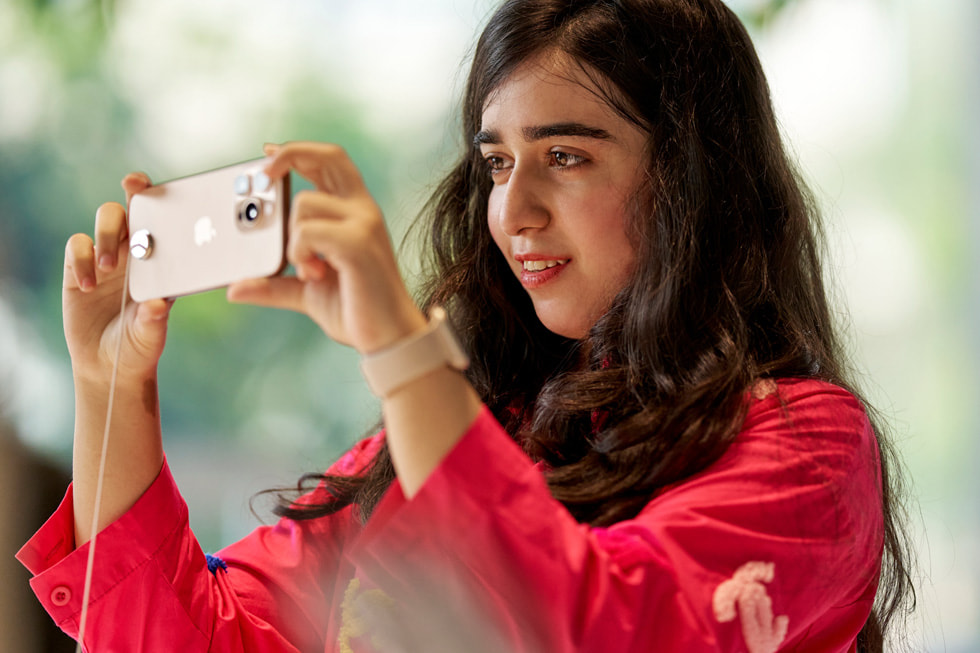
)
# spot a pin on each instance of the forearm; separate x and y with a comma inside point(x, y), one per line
point(424, 420)
point(135, 450)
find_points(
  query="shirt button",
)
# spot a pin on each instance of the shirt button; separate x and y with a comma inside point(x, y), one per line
point(60, 595)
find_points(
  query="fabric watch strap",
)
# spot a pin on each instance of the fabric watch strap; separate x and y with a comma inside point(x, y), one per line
point(389, 369)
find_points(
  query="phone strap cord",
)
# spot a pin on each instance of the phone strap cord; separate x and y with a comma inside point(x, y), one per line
point(87, 588)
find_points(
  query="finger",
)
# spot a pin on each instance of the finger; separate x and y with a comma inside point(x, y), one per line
point(135, 182)
point(309, 229)
point(288, 155)
point(79, 263)
point(306, 251)
point(315, 207)
point(150, 326)
point(337, 241)
point(153, 310)
point(326, 165)
point(308, 205)
point(110, 230)
point(274, 292)
point(316, 246)
point(312, 269)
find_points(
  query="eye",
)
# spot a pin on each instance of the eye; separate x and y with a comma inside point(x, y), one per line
point(559, 159)
point(496, 164)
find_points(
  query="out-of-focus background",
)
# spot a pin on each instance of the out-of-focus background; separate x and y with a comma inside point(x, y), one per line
point(878, 99)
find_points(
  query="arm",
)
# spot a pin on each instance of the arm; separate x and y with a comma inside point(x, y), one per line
point(776, 546)
point(92, 293)
point(271, 591)
point(348, 282)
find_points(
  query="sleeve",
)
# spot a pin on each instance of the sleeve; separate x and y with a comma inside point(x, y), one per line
point(774, 547)
point(153, 588)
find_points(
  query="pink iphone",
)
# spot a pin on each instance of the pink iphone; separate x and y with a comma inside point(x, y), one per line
point(207, 230)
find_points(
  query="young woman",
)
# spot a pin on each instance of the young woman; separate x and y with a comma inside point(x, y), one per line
point(654, 445)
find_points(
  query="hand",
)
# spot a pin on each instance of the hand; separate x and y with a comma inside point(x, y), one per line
point(92, 295)
point(347, 276)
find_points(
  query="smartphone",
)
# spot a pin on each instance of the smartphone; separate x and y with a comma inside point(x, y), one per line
point(207, 230)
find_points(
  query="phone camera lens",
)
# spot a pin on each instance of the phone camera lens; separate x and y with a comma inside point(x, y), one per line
point(242, 185)
point(251, 211)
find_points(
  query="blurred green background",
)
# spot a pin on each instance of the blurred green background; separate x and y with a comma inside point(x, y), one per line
point(878, 99)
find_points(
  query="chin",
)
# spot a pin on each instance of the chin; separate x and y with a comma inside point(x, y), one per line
point(563, 326)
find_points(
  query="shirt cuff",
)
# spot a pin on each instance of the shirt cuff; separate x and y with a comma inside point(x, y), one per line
point(122, 546)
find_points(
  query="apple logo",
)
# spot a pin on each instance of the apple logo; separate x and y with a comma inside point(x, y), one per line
point(204, 231)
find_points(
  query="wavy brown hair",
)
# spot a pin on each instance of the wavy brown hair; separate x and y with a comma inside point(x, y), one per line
point(728, 287)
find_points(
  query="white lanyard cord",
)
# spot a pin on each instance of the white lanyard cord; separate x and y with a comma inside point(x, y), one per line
point(102, 462)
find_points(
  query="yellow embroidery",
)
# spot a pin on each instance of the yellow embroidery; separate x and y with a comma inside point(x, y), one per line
point(355, 606)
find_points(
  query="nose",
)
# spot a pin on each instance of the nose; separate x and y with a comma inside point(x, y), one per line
point(519, 204)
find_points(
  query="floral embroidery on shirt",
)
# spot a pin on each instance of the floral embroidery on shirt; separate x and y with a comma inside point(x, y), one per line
point(763, 633)
point(763, 388)
point(356, 606)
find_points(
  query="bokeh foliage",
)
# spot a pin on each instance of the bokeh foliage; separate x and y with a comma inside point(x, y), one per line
point(253, 379)
point(90, 134)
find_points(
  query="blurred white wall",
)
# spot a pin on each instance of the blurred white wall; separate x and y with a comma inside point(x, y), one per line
point(879, 99)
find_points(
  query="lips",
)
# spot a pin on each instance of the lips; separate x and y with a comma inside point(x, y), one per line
point(537, 270)
point(544, 264)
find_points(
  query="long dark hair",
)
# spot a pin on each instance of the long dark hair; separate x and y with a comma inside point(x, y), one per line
point(728, 287)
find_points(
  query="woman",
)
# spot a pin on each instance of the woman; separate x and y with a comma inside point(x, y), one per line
point(653, 447)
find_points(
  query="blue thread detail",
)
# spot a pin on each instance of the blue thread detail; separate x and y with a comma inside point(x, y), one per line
point(215, 563)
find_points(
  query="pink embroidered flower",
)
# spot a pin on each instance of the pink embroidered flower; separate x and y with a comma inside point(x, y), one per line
point(763, 633)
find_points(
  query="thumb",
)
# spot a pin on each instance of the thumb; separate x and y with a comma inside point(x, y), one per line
point(272, 292)
point(151, 322)
point(154, 310)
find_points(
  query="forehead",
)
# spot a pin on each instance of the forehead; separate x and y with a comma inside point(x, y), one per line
point(548, 88)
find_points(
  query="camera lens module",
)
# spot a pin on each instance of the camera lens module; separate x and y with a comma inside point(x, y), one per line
point(250, 211)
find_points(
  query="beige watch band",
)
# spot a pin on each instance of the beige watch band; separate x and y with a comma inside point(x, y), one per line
point(392, 367)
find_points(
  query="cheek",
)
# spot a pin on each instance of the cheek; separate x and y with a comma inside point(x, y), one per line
point(494, 224)
point(613, 251)
point(603, 222)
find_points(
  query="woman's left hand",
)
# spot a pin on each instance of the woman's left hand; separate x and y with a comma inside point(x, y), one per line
point(347, 279)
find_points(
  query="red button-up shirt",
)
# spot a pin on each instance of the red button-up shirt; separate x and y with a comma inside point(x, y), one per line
point(776, 546)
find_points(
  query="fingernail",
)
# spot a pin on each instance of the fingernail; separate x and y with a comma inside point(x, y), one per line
point(106, 261)
point(165, 311)
point(87, 284)
point(233, 291)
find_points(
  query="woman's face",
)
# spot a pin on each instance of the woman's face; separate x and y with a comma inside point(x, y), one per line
point(563, 165)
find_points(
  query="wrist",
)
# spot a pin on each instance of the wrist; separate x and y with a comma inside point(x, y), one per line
point(93, 385)
point(384, 336)
point(413, 356)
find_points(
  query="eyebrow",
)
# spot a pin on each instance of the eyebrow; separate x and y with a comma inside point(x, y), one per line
point(540, 132)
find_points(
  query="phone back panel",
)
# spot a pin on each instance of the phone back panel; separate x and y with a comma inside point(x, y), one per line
point(209, 230)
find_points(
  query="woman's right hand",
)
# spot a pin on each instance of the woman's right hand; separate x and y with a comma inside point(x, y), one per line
point(92, 294)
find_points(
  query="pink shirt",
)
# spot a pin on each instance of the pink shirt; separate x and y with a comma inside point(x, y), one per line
point(775, 547)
